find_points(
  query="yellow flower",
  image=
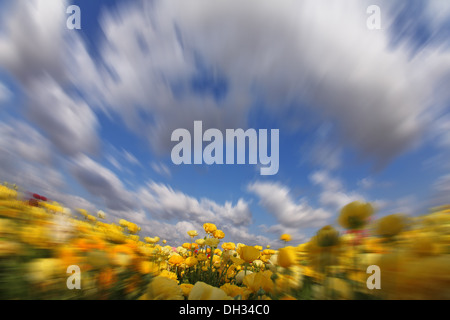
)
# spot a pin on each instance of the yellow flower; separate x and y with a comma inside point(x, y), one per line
point(248, 254)
point(285, 237)
point(260, 280)
point(202, 257)
point(228, 246)
point(233, 290)
point(327, 237)
point(134, 228)
point(151, 240)
point(122, 222)
point(219, 234)
point(200, 242)
point(237, 261)
point(188, 246)
point(341, 289)
point(287, 257)
point(191, 261)
point(390, 225)
point(355, 214)
point(287, 297)
point(162, 288)
point(212, 242)
point(203, 291)
point(147, 267)
point(423, 245)
point(268, 252)
point(168, 274)
point(209, 227)
point(40, 270)
point(122, 255)
point(192, 233)
point(176, 259)
point(186, 288)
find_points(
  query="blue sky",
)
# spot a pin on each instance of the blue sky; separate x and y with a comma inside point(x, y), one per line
point(86, 115)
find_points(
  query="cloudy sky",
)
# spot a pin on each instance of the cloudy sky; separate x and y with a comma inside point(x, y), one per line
point(86, 115)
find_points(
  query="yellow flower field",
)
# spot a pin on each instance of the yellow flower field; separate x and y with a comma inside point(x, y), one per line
point(40, 240)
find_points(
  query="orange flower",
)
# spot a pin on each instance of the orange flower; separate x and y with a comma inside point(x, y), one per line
point(209, 227)
point(106, 278)
point(176, 259)
point(228, 246)
point(219, 234)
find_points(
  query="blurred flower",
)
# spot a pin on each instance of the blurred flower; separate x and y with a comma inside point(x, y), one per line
point(101, 214)
point(200, 242)
point(261, 280)
point(212, 242)
point(285, 237)
point(327, 236)
point(236, 260)
point(44, 269)
point(168, 274)
point(191, 261)
point(202, 257)
point(258, 263)
point(240, 276)
point(248, 254)
point(192, 233)
point(203, 291)
point(147, 267)
point(390, 225)
point(355, 214)
point(186, 288)
point(233, 290)
point(106, 278)
point(162, 288)
point(287, 257)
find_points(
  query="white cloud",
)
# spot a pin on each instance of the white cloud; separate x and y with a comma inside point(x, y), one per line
point(333, 194)
point(24, 142)
point(366, 183)
point(32, 43)
point(276, 199)
point(103, 183)
point(161, 169)
point(5, 93)
point(314, 54)
point(69, 123)
point(441, 189)
point(131, 158)
point(163, 202)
